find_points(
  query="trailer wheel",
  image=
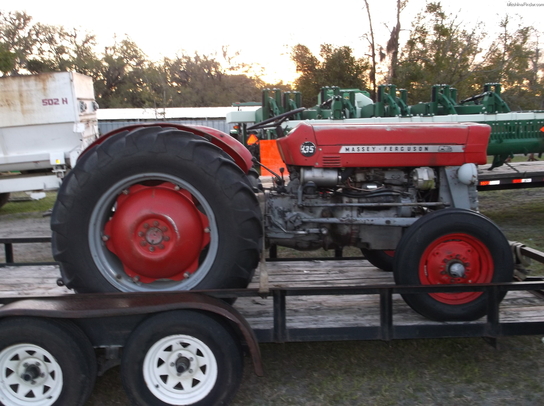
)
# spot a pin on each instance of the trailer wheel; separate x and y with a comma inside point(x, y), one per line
point(156, 209)
point(452, 246)
point(44, 363)
point(382, 259)
point(181, 358)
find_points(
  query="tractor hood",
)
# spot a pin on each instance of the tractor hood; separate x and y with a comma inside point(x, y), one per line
point(385, 145)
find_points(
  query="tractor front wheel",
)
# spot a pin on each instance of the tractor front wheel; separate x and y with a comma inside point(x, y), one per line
point(449, 247)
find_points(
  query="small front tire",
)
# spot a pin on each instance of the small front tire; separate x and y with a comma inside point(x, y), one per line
point(382, 259)
point(452, 246)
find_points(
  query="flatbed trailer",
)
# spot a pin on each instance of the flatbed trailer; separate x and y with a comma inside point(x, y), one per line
point(306, 300)
point(515, 175)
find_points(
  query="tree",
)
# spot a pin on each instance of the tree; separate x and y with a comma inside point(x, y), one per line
point(336, 66)
point(393, 45)
point(438, 51)
point(17, 38)
point(7, 59)
point(37, 48)
point(513, 60)
point(120, 80)
point(201, 80)
point(123, 75)
point(372, 42)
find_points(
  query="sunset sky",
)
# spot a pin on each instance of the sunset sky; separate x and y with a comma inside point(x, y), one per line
point(263, 32)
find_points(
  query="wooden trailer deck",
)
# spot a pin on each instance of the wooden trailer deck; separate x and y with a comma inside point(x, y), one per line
point(330, 311)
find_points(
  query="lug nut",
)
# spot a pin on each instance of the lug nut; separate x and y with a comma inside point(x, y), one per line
point(105, 238)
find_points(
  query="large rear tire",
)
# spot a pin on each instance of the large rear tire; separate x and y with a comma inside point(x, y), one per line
point(452, 246)
point(156, 209)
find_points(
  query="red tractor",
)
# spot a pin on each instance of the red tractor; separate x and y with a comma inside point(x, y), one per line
point(169, 207)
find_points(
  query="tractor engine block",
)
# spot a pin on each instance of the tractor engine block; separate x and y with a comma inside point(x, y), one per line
point(362, 207)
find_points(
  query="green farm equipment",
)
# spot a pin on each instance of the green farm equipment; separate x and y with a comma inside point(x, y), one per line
point(511, 132)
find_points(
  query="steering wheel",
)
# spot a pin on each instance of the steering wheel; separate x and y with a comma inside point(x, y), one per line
point(276, 120)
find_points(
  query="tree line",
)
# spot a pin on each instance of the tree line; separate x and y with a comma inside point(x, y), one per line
point(123, 75)
point(439, 50)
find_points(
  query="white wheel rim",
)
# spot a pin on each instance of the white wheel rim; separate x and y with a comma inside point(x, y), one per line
point(170, 355)
point(29, 375)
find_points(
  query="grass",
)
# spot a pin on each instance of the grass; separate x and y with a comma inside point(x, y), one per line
point(29, 206)
point(520, 215)
point(408, 372)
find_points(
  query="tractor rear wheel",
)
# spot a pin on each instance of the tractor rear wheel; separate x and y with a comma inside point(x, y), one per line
point(447, 247)
point(156, 209)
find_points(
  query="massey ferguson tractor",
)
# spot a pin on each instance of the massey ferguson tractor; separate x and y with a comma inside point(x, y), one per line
point(168, 207)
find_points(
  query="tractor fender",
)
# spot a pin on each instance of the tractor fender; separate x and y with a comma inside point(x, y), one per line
point(232, 147)
point(88, 306)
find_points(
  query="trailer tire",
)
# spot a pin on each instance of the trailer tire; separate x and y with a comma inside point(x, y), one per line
point(44, 362)
point(181, 358)
point(156, 209)
point(452, 246)
point(382, 259)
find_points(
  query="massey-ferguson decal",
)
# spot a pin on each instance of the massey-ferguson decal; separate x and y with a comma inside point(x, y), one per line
point(361, 149)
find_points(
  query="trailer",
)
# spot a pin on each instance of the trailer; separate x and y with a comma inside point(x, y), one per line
point(185, 348)
point(515, 175)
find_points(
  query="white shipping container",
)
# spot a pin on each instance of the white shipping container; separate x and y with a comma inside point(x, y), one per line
point(46, 120)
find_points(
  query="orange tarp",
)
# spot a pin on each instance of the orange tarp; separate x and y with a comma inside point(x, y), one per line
point(270, 157)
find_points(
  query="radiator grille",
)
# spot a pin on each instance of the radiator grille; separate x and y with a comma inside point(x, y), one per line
point(331, 161)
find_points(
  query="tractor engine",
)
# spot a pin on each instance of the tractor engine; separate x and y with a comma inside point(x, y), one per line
point(386, 177)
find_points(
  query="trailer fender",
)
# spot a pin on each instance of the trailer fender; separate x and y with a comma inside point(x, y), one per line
point(230, 145)
point(125, 304)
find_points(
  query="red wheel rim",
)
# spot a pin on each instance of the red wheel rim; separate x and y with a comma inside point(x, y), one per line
point(456, 259)
point(157, 232)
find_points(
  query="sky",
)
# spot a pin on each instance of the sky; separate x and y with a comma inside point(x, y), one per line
point(262, 32)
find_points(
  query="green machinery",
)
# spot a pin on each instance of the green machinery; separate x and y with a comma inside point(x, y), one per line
point(511, 132)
